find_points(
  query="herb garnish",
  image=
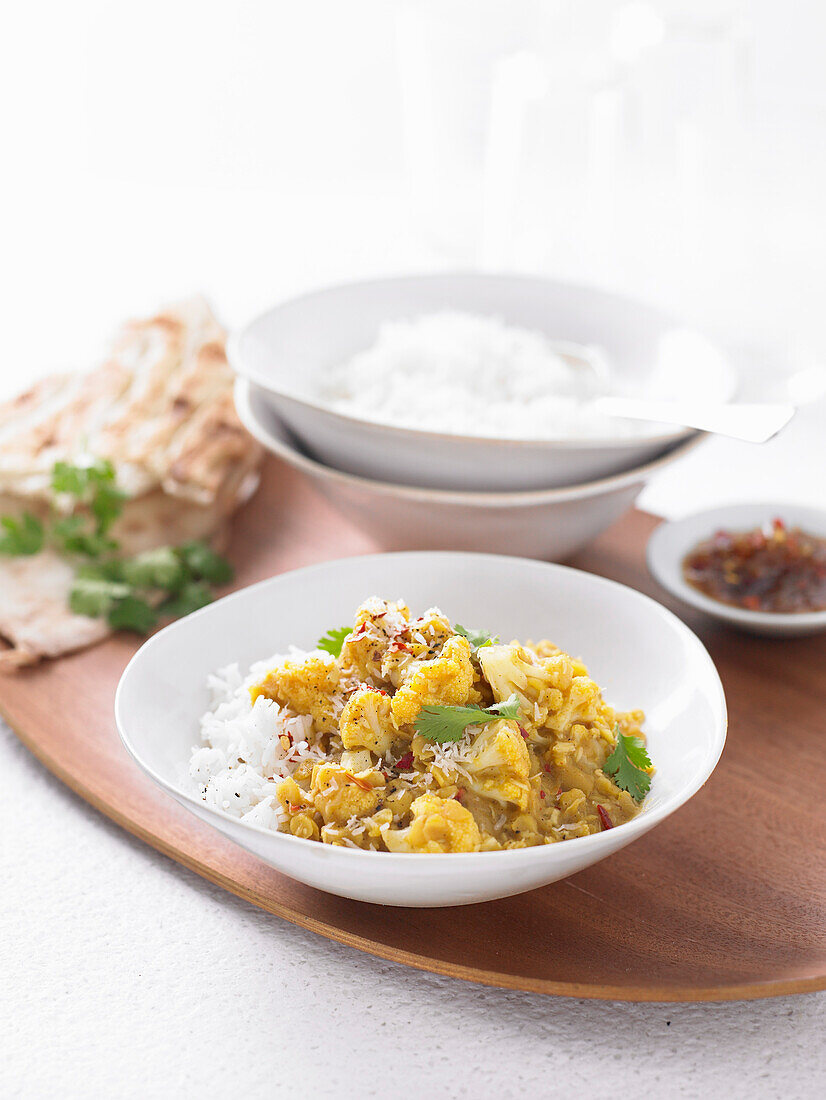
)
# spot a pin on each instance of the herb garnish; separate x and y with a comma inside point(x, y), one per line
point(478, 638)
point(93, 486)
point(626, 765)
point(446, 724)
point(333, 641)
point(203, 563)
point(130, 593)
point(21, 536)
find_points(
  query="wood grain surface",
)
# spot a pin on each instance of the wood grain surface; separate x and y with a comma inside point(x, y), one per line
point(724, 900)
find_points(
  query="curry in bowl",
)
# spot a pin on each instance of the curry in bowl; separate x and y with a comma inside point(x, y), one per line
point(412, 734)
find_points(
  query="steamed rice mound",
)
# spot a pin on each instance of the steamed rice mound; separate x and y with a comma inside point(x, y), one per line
point(327, 748)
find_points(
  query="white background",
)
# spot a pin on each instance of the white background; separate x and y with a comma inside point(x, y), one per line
point(251, 150)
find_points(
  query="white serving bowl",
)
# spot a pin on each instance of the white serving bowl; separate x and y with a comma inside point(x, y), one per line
point(287, 350)
point(640, 654)
point(551, 523)
point(670, 543)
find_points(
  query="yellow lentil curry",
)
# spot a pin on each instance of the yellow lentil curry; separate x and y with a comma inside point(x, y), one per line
point(434, 738)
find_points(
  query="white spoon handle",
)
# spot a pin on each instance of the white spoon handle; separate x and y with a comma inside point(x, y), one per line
point(753, 423)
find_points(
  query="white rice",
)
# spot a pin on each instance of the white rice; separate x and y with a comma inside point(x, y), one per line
point(471, 375)
point(241, 758)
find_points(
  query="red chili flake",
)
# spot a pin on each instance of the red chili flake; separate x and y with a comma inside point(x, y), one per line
point(541, 794)
point(382, 691)
point(401, 645)
point(523, 731)
point(362, 784)
point(778, 524)
point(405, 763)
point(460, 794)
point(607, 823)
point(548, 768)
point(295, 807)
point(359, 630)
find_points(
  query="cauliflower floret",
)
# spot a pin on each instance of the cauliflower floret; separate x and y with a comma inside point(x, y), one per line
point(367, 722)
point(445, 681)
point(422, 640)
point(438, 825)
point(511, 668)
point(553, 691)
point(499, 764)
point(339, 795)
point(374, 608)
point(378, 623)
point(500, 747)
point(581, 702)
point(305, 687)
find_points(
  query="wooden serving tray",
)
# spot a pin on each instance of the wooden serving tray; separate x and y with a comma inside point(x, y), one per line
point(725, 900)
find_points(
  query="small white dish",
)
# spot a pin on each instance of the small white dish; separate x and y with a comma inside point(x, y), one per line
point(640, 653)
point(551, 523)
point(287, 350)
point(670, 543)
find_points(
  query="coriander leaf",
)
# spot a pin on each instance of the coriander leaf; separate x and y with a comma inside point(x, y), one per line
point(78, 479)
point(637, 752)
point(21, 536)
point(111, 570)
point(92, 485)
point(477, 638)
point(446, 724)
point(190, 597)
point(204, 564)
point(508, 708)
point(106, 505)
point(333, 641)
point(160, 568)
point(72, 536)
point(132, 613)
point(95, 597)
point(626, 763)
point(70, 479)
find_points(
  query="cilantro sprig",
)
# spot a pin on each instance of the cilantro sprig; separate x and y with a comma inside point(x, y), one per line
point(333, 641)
point(478, 638)
point(627, 765)
point(92, 486)
point(135, 593)
point(130, 593)
point(446, 724)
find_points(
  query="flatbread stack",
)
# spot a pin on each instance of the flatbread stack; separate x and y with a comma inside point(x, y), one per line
point(160, 409)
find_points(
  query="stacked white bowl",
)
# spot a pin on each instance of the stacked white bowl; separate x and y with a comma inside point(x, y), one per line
point(413, 488)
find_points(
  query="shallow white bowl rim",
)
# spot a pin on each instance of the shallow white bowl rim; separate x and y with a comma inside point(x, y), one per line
point(244, 391)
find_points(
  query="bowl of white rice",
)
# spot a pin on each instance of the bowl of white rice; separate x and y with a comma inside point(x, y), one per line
point(473, 382)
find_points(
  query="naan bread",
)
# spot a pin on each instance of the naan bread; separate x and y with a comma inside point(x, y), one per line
point(161, 409)
point(35, 614)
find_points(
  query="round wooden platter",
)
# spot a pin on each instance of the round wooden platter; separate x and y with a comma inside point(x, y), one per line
point(725, 900)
